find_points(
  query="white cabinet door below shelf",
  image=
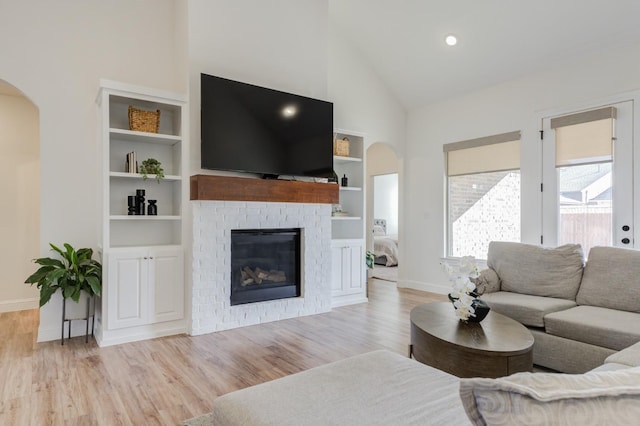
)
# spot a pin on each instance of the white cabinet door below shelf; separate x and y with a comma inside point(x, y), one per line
point(127, 289)
point(337, 269)
point(145, 286)
point(347, 266)
point(355, 271)
point(166, 284)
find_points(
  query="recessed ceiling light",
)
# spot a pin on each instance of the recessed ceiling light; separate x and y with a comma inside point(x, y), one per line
point(451, 40)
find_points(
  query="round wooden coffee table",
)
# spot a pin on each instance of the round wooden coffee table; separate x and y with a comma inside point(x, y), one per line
point(496, 347)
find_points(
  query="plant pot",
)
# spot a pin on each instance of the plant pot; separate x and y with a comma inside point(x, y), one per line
point(83, 309)
point(78, 310)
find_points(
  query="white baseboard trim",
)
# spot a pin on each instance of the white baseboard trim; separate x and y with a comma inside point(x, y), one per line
point(346, 300)
point(19, 305)
point(430, 287)
point(104, 338)
point(134, 334)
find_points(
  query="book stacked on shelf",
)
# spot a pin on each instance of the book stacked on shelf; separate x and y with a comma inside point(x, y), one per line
point(131, 163)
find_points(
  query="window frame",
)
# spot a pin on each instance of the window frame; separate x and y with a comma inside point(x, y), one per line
point(467, 144)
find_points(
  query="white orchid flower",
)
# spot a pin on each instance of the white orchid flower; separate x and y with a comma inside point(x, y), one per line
point(468, 266)
point(462, 286)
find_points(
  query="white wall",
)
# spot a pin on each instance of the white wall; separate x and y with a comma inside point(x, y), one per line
point(280, 44)
point(385, 200)
point(56, 52)
point(362, 102)
point(515, 105)
point(20, 193)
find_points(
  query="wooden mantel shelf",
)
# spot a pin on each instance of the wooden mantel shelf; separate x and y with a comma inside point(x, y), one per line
point(228, 188)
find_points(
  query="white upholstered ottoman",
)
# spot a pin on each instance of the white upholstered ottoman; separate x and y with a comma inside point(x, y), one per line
point(376, 388)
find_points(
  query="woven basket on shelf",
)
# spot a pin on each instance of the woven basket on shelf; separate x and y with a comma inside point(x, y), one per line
point(144, 121)
point(341, 147)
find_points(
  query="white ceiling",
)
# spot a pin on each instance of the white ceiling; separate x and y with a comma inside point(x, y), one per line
point(499, 40)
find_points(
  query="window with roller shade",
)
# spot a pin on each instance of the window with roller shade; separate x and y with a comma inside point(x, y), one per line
point(483, 193)
point(584, 159)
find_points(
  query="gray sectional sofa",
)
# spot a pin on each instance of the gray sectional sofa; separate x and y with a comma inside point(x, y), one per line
point(385, 388)
point(581, 318)
point(579, 315)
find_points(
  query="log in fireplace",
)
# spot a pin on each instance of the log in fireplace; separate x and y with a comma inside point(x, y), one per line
point(265, 265)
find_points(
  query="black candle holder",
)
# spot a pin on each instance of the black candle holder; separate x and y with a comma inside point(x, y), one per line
point(140, 201)
point(131, 202)
point(152, 209)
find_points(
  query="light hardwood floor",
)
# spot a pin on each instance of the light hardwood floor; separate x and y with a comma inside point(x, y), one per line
point(166, 380)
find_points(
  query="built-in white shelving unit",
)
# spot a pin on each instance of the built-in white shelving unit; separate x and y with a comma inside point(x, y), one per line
point(142, 255)
point(348, 228)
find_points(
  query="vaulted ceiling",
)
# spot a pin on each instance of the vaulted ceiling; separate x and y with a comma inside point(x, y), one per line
point(499, 40)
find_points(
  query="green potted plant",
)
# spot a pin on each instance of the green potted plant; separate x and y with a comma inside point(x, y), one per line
point(74, 273)
point(370, 258)
point(153, 167)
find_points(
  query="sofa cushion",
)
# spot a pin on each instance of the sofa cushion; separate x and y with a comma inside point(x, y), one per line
point(524, 308)
point(539, 271)
point(378, 387)
point(629, 356)
point(607, 397)
point(604, 327)
point(611, 279)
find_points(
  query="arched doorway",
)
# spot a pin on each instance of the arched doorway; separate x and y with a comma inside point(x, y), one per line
point(384, 177)
point(20, 192)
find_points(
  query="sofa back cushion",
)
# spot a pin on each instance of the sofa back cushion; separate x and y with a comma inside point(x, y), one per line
point(535, 270)
point(611, 279)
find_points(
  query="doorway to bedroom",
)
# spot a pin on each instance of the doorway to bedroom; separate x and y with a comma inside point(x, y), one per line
point(20, 191)
point(383, 211)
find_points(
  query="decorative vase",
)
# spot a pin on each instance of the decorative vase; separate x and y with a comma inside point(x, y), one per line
point(131, 202)
point(152, 209)
point(140, 193)
point(480, 307)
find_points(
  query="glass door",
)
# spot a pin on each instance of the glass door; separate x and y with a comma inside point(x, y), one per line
point(588, 177)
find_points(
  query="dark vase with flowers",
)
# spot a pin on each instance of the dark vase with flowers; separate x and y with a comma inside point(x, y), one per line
point(480, 307)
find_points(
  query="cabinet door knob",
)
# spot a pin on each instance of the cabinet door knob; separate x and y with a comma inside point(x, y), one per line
point(150, 257)
point(626, 241)
point(145, 258)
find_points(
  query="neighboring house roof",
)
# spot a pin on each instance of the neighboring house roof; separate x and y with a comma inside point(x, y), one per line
point(577, 178)
point(585, 183)
point(606, 195)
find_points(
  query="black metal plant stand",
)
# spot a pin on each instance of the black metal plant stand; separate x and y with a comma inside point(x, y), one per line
point(88, 316)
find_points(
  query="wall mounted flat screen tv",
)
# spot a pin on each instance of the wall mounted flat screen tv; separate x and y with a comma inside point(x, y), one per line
point(248, 128)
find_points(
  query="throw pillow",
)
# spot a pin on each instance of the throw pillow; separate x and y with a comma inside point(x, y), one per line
point(487, 282)
point(378, 231)
point(605, 397)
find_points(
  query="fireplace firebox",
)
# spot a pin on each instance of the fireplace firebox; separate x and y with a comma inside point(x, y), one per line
point(265, 265)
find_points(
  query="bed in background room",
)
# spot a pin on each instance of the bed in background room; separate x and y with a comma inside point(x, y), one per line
point(385, 247)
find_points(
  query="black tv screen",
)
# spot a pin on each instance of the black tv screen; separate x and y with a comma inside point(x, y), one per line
point(253, 129)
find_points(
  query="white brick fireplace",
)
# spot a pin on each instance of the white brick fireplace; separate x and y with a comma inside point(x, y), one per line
point(212, 225)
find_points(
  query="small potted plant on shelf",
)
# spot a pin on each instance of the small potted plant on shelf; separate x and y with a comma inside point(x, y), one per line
point(74, 273)
point(151, 166)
